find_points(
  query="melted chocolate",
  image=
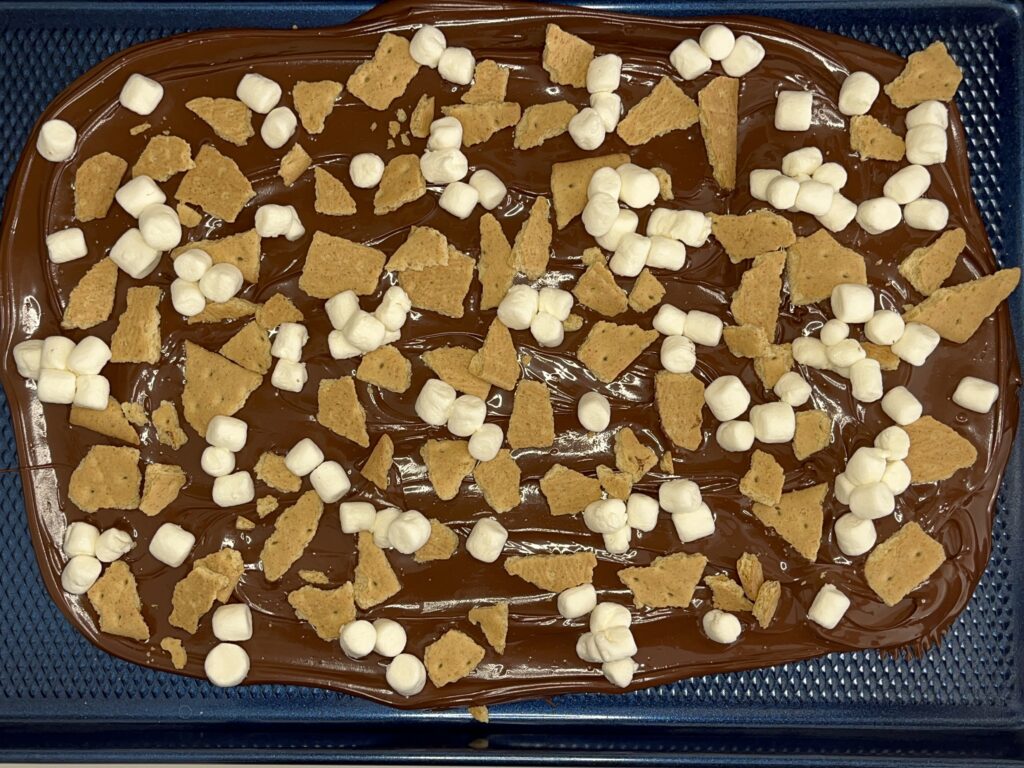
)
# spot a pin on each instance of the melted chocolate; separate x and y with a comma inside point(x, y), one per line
point(540, 658)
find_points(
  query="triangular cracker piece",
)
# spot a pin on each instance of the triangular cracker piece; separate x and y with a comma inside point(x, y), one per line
point(541, 122)
point(451, 657)
point(115, 598)
point(424, 248)
point(377, 468)
point(168, 426)
point(162, 484)
point(193, 597)
point(647, 292)
point(422, 117)
point(214, 386)
point(532, 248)
point(873, 140)
point(609, 349)
point(401, 183)
point(665, 109)
point(137, 336)
point(294, 164)
point(727, 595)
point(797, 518)
point(293, 530)
point(553, 573)
point(490, 81)
point(532, 424)
point(496, 269)
point(220, 312)
point(332, 196)
point(339, 409)
point(229, 118)
point(276, 310)
point(326, 610)
point(314, 101)
point(902, 563)
point(764, 480)
point(568, 491)
point(813, 433)
point(499, 481)
point(569, 182)
point(937, 451)
point(448, 463)
point(928, 268)
point(250, 348)
point(271, 469)
point(771, 366)
point(750, 234)
point(496, 362)
point(956, 312)
point(92, 300)
point(597, 289)
point(756, 302)
point(386, 368)
point(375, 580)
point(493, 620)
point(718, 102)
point(751, 574)
point(928, 74)
point(679, 398)
point(451, 365)
point(766, 603)
point(817, 264)
point(749, 341)
point(226, 561)
point(96, 182)
point(110, 422)
point(441, 545)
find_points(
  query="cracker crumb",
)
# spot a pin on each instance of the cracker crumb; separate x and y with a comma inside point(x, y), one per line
point(115, 598)
point(664, 182)
point(451, 365)
point(92, 300)
point(377, 468)
point(162, 484)
point(665, 109)
point(572, 323)
point(566, 57)
point(293, 530)
point(873, 140)
point(107, 477)
point(718, 102)
point(326, 610)
point(541, 122)
point(798, 518)
point(188, 216)
point(928, 74)
point(927, 268)
point(532, 424)
point(271, 470)
point(164, 157)
point(596, 289)
point(496, 361)
point(135, 130)
point(679, 398)
point(96, 181)
point(481, 121)
point(176, 651)
point(569, 183)
point(647, 292)
point(499, 481)
point(216, 184)
point(665, 464)
point(244, 524)
point(610, 349)
point(168, 425)
point(668, 582)
point(764, 480)
point(137, 336)
point(265, 505)
point(230, 119)
point(480, 714)
point(813, 433)
point(441, 289)
point(386, 368)
point(553, 573)
point(314, 577)
point(375, 580)
point(314, 102)
point(751, 234)
point(937, 451)
point(448, 463)
point(334, 264)
point(451, 657)
point(339, 409)
point(213, 386)
point(294, 164)
point(957, 311)
point(382, 79)
point(332, 196)
point(441, 545)
point(493, 621)
point(817, 264)
point(110, 422)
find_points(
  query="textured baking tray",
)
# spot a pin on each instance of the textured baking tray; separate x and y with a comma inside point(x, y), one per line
point(963, 702)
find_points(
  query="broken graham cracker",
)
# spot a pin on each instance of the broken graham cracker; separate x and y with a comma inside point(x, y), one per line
point(422, 117)
point(375, 581)
point(679, 398)
point(927, 268)
point(161, 486)
point(230, 119)
point(495, 269)
point(957, 311)
point(334, 264)
point(666, 108)
point(451, 657)
point(532, 424)
point(332, 196)
point(271, 470)
point(293, 530)
point(751, 574)
point(664, 182)
point(451, 365)
point(220, 312)
point(813, 433)
point(747, 341)
point(609, 348)
point(631, 456)
point(401, 183)
point(276, 310)
point(176, 651)
point(718, 103)
point(873, 140)
point(216, 185)
point(250, 348)
point(110, 422)
point(164, 157)
point(423, 248)
point(294, 164)
point(726, 594)
point(884, 355)
point(496, 361)
point(597, 289)
point(383, 78)
point(617, 485)
point(481, 121)
point(244, 524)
point(386, 368)
point(135, 413)
point(137, 336)
point(115, 598)
point(265, 505)
point(532, 247)
point(751, 234)
point(92, 300)
point(499, 481)
point(314, 102)
point(756, 302)
point(798, 518)
point(193, 597)
point(764, 480)
point(448, 463)
point(647, 292)
point(490, 81)
point(541, 122)
point(377, 468)
point(107, 477)
point(326, 610)
point(668, 582)
point(339, 409)
point(214, 386)
point(241, 250)
point(666, 463)
point(569, 182)
point(568, 491)
point(566, 57)
point(441, 545)
point(189, 216)
point(902, 563)
point(97, 180)
point(928, 74)
point(441, 289)
point(937, 451)
point(767, 603)
point(493, 621)
point(817, 264)
point(228, 563)
point(315, 577)
point(168, 426)
point(553, 573)
point(773, 364)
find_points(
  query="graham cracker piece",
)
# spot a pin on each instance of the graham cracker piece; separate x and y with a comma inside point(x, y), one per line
point(162, 484)
point(493, 620)
point(679, 398)
point(490, 81)
point(375, 580)
point(213, 386)
point(569, 182)
point(665, 109)
point(532, 247)
point(339, 409)
point(135, 414)
point(317, 577)
point(334, 264)
point(541, 122)
point(609, 349)
point(250, 348)
point(647, 292)
point(164, 157)
point(451, 657)
point(553, 573)
point(230, 119)
point(496, 361)
point(106, 478)
point(232, 309)
point(817, 264)
point(314, 102)
point(665, 464)
point(92, 299)
point(797, 518)
point(176, 651)
point(448, 463)
point(441, 545)
point(747, 341)
point(294, 164)
point(115, 598)
point(135, 130)
point(496, 268)
point(332, 196)
point(927, 268)
point(886, 358)
point(271, 470)
point(481, 121)
point(242, 250)
point(873, 140)
point(499, 481)
point(775, 362)
point(424, 248)
point(422, 117)
point(751, 574)
point(532, 424)
point(276, 310)
point(216, 185)
point(293, 530)
point(751, 234)
point(937, 451)
point(902, 563)
point(813, 433)
point(441, 289)
point(618, 485)
point(451, 365)
point(265, 505)
point(385, 77)
point(928, 74)
point(568, 491)
point(767, 603)
point(718, 102)
point(228, 563)
point(956, 312)
point(764, 480)
point(168, 426)
point(193, 597)
point(480, 714)
point(631, 456)
point(726, 594)
point(756, 301)
point(137, 336)
point(96, 181)
point(668, 582)
point(566, 57)
point(572, 323)
point(596, 288)
point(189, 216)
point(110, 422)
point(244, 524)
point(386, 368)
point(377, 468)
point(326, 610)
point(665, 183)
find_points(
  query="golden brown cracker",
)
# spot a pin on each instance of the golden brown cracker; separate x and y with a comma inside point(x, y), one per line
point(928, 267)
point(422, 117)
point(441, 545)
point(817, 264)
point(902, 563)
point(596, 288)
point(111, 422)
point(884, 355)
point(232, 309)
point(751, 234)
point(679, 398)
point(764, 480)
point(553, 573)
point(326, 610)
point(168, 426)
point(647, 292)
point(631, 456)
point(451, 365)
point(276, 310)
point(490, 81)
point(726, 594)
point(226, 561)
point(448, 463)
point(532, 247)
point(241, 250)
point(265, 505)
point(617, 485)
point(797, 518)
point(339, 409)
point(751, 574)
point(451, 657)
point(767, 603)
point(668, 582)
point(609, 349)
point(441, 289)
point(106, 478)
point(250, 348)
point(496, 268)
point(213, 386)
point(568, 491)
point(532, 424)
point(176, 651)
point(937, 451)
point(384, 78)
point(135, 414)
point(137, 336)
point(189, 216)
point(499, 481)
point(377, 468)
point(813, 433)
point(481, 121)
point(541, 122)
point(566, 57)
point(496, 361)
point(230, 119)
point(493, 621)
point(773, 364)
point(216, 185)
point(193, 597)
point(665, 109)
point(92, 299)
point(314, 577)
point(957, 311)
point(164, 157)
point(747, 341)
point(293, 530)
point(244, 524)
point(314, 102)
point(665, 183)
point(423, 248)
point(271, 470)
point(115, 598)
point(161, 486)
point(97, 180)
point(873, 140)
point(334, 264)
point(295, 163)
point(756, 302)
point(718, 102)
point(569, 182)
point(386, 368)
point(928, 74)
point(375, 580)
point(332, 196)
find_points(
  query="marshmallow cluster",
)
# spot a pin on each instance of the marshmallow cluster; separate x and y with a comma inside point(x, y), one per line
point(361, 638)
point(226, 436)
point(444, 163)
point(738, 55)
point(137, 252)
point(683, 331)
point(87, 550)
point(279, 220)
point(429, 48)
point(289, 371)
point(691, 517)
point(589, 127)
point(404, 532)
point(543, 311)
point(328, 478)
point(357, 332)
point(66, 373)
point(806, 184)
point(905, 188)
point(608, 517)
point(438, 404)
point(610, 643)
point(199, 281)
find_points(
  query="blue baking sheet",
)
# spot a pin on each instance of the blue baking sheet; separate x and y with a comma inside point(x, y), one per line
point(61, 698)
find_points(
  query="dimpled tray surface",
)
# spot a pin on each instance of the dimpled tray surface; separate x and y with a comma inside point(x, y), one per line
point(62, 697)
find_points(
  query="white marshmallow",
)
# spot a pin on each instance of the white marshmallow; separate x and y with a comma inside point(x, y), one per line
point(893, 443)
point(28, 357)
point(113, 544)
point(295, 230)
point(625, 222)
point(587, 129)
point(406, 675)
point(427, 45)
point(630, 255)
point(289, 340)
point(138, 194)
point(928, 113)
point(759, 181)
point(457, 65)
point(703, 328)
point(916, 344)
point(678, 354)
point(679, 496)
point(604, 181)
point(773, 422)
point(232, 623)
point(735, 436)
point(56, 141)
point(486, 540)
point(467, 415)
point(555, 302)
point(486, 442)
point(226, 665)
point(356, 516)
point(793, 110)
point(594, 412)
point(278, 127)
point(609, 107)
point(839, 216)
point(409, 531)
point(603, 73)
point(858, 93)
point(141, 94)
point(364, 331)
point(727, 398)
point(92, 391)
point(721, 627)
point(217, 462)
point(907, 184)
point(577, 601)
point(614, 644)
point(717, 41)
point(843, 488)
point(884, 327)
point(444, 166)
point(641, 512)
point(666, 253)
point(330, 481)
point(233, 490)
point(854, 535)
point(853, 303)
point(171, 544)
point(845, 353)
point(459, 199)
point(366, 170)
point(489, 188)
point(878, 215)
point(227, 432)
point(393, 309)
point(802, 162)
point(391, 638)
point(382, 524)
point(900, 405)
point(289, 376)
point(814, 197)
point(435, 402)
point(186, 298)
point(192, 264)
point(866, 380)
point(55, 352)
point(833, 331)
point(896, 477)
point(617, 542)
point(690, 60)
point(134, 255)
point(445, 133)
point(586, 648)
point(832, 174)
point(746, 54)
point(221, 283)
point(781, 192)
point(976, 394)
point(56, 386)
point(669, 320)
point(607, 615)
point(304, 457)
point(341, 307)
point(80, 539)
point(926, 144)
point(66, 245)
point(274, 220)
point(89, 355)
point(80, 574)
point(693, 228)
point(600, 214)
point(927, 214)
point(258, 93)
point(691, 526)
point(792, 388)
point(517, 310)
point(829, 607)
point(639, 188)
point(865, 465)
point(605, 515)
point(659, 223)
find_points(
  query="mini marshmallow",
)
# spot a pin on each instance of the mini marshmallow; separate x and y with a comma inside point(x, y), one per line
point(666, 253)
point(555, 302)
point(289, 340)
point(885, 327)
point(227, 432)
point(640, 187)
point(435, 402)
point(391, 638)
point(603, 73)
point(341, 307)
point(486, 540)
point(679, 496)
point(845, 353)
point(141, 94)
point(896, 477)
point(278, 127)
point(781, 192)
point(773, 422)
point(693, 228)
point(112, 544)
point(617, 542)
point(409, 531)
point(366, 170)
point(489, 188)
point(829, 607)
point(406, 675)
point(330, 481)
point(641, 512)
point(80, 539)
point(927, 214)
point(171, 544)
point(134, 255)
point(427, 45)
point(233, 490)
point(625, 222)
point(364, 331)
point(577, 601)
point(467, 415)
point(609, 107)
point(839, 216)
point(866, 380)
point(459, 199)
point(670, 320)
point(759, 181)
point(802, 162)
point(443, 166)
point(221, 283)
point(66, 245)
point(900, 405)
point(843, 488)
point(486, 442)
point(735, 436)
point(878, 215)
point(232, 623)
point(393, 309)
point(517, 310)
point(594, 412)
point(258, 93)
point(907, 184)
point(192, 264)
point(138, 194)
point(295, 229)
point(186, 298)
point(746, 54)
point(691, 526)
point(678, 354)
point(606, 181)
point(976, 394)
point(607, 615)
point(356, 516)
point(587, 129)
point(690, 60)
point(792, 388)
point(833, 331)
point(56, 386)
point(630, 255)
point(854, 535)
point(832, 174)
point(929, 112)
point(289, 376)
point(382, 524)
point(80, 574)
point(457, 65)
point(660, 222)
point(916, 344)
point(717, 41)
point(605, 515)
point(793, 110)
point(721, 627)
point(56, 141)
point(893, 443)
point(55, 352)
point(92, 391)
point(727, 398)
point(857, 93)
point(304, 457)
point(926, 144)
point(853, 303)
point(814, 197)
point(600, 214)
point(28, 356)
point(89, 355)
point(226, 665)
point(445, 133)
point(586, 648)
point(217, 462)
point(703, 328)
point(274, 220)
point(865, 465)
